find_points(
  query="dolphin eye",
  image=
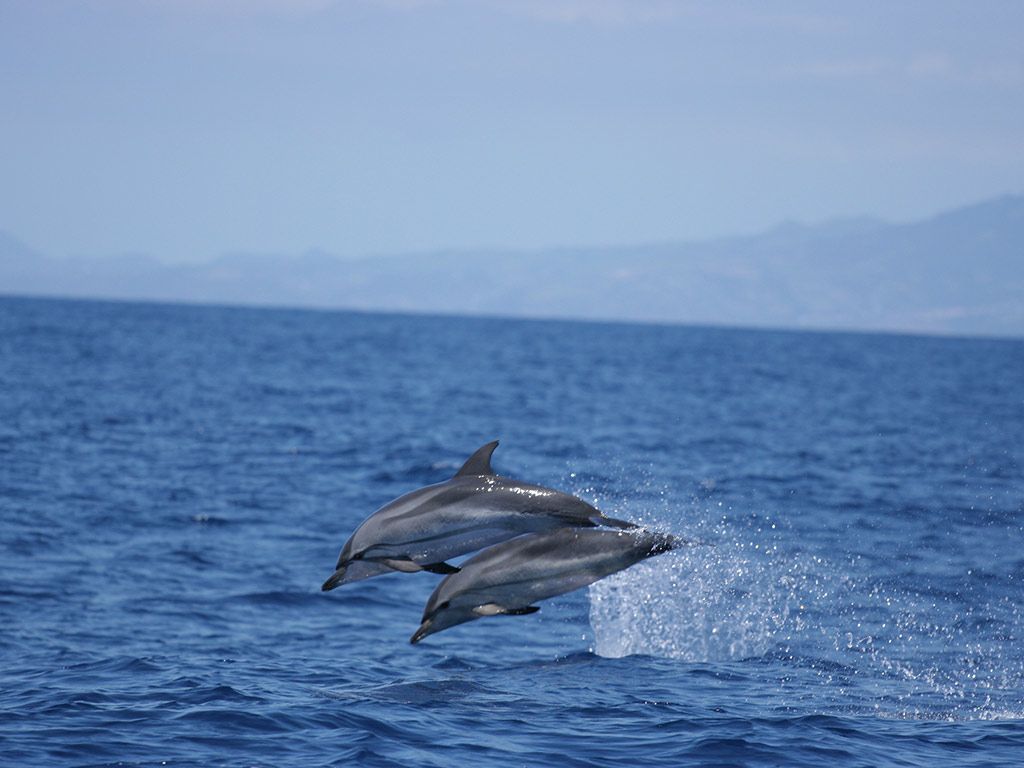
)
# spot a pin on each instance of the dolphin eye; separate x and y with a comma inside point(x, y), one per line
point(440, 608)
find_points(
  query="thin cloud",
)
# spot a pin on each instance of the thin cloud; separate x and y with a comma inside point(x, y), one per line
point(837, 69)
point(234, 7)
point(567, 12)
point(934, 66)
point(606, 12)
point(930, 65)
point(623, 12)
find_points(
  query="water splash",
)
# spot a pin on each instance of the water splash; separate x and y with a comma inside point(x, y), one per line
point(705, 603)
point(911, 645)
point(878, 648)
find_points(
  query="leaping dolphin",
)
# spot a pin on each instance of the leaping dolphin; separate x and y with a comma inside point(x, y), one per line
point(422, 529)
point(508, 578)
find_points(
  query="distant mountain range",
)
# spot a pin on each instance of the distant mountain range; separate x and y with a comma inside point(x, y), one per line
point(961, 272)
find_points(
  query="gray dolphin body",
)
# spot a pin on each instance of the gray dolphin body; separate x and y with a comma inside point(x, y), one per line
point(476, 508)
point(509, 577)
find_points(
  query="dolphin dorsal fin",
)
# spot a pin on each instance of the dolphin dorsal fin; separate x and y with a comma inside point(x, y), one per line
point(480, 462)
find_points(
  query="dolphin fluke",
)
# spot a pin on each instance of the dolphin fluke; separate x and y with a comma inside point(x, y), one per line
point(666, 542)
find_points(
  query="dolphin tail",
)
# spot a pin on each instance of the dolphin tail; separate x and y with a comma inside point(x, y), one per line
point(665, 542)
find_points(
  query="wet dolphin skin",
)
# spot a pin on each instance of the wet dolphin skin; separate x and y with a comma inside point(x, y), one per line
point(475, 509)
point(508, 578)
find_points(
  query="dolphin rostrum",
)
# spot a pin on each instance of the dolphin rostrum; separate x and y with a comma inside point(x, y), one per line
point(508, 578)
point(476, 508)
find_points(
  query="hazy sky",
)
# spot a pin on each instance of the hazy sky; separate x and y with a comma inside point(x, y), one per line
point(186, 128)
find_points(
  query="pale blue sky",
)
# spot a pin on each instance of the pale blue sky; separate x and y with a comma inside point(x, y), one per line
point(189, 128)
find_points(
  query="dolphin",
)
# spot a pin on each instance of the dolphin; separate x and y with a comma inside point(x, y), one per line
point(476, 508)
point(508, 578)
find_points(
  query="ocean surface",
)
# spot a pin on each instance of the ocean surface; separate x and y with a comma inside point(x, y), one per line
point(176, 483)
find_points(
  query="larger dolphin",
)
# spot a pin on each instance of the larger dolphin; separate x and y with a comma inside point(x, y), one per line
point(508, 578)
point(476, 508)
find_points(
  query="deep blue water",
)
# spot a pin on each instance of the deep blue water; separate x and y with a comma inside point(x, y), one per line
point(176, 482)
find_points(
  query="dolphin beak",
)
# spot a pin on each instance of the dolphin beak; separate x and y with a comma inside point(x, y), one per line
point(336, 578)
point(422, 632)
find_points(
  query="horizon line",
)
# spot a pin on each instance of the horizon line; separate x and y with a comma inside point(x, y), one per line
point(499, 317)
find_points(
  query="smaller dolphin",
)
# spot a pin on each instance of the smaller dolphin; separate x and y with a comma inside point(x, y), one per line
point(509, 577)
point(476, 508)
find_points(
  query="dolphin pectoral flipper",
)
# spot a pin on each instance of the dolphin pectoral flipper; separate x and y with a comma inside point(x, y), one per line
point(614, 523)
point(408, 565)
point(403, 564)
point(442, 568)
point(493, 609)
